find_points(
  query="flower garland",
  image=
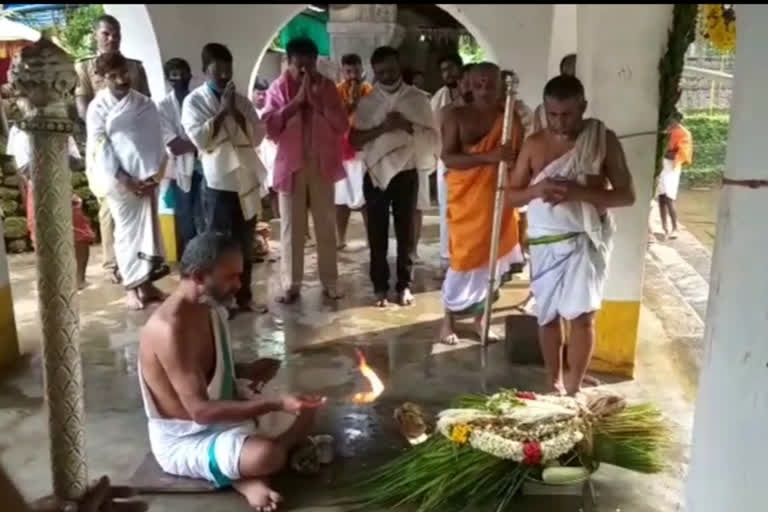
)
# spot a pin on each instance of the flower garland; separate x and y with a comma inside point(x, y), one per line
point(717, 24)
point(530, 429)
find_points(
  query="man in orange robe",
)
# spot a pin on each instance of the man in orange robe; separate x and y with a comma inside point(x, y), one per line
point(472, 150)
point(349, 191)
point(679, 153)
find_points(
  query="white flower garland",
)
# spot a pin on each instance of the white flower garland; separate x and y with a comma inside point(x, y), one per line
point(546, 411)
point(493, 444)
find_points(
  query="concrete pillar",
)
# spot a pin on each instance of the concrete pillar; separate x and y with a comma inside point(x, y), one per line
point(619, 47)
point(729, 446)
point(44, 74)
point(361, 28)
point(167, 218)
point(9, 340)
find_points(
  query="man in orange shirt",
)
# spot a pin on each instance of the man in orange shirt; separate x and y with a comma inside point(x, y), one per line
point(679, 153)
point(349, 191)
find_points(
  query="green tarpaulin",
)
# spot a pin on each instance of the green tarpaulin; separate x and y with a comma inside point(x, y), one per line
point(313, 27)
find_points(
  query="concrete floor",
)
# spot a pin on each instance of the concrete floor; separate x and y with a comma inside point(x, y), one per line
point(315, 340)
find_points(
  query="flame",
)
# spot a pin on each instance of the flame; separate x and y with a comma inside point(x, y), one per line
point(377, 387)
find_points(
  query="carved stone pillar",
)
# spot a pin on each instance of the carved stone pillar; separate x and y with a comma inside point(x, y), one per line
point(44, 75)
point(361, 28)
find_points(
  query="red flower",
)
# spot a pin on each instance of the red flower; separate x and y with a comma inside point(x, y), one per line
point(532, 453)
point(526, 395)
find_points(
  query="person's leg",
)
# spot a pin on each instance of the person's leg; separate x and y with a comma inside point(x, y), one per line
point(377, 203)
point(403, 190)
point(342, 223)
point(185, 220)
point(663, 212)
point(418, 222)
point(198, 209)
point(581, 343)
point(551, 342)
point(293, 229)
point(260, 458)
point(672, 215)
point(448, 330)
point(107, 231)
point(82, 251)
point(243, 231)
point(323, 217)
point(364, 213)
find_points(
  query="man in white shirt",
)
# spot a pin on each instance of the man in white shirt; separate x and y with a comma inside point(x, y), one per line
point(226, 129)
point(183, 165)
point(395, 129)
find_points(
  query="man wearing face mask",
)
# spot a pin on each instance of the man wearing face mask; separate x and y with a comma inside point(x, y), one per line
point(183, 166)
point(106, 33)
point(226, 129)
point(395, 129)
point(304, 115)
point(125, 151)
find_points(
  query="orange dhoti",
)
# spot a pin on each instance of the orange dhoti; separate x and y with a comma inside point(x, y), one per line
point(471, 199)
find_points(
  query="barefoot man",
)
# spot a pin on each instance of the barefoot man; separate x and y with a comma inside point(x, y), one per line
point(200, 423)
point(395, 129)
point(472, 150)
point(125, 151)
point(561, 174)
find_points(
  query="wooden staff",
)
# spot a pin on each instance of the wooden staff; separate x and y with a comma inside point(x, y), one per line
point(498, 208)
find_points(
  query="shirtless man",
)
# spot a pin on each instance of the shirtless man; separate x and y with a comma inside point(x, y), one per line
point(472, 148)
point(561, 174)
point(200, 423)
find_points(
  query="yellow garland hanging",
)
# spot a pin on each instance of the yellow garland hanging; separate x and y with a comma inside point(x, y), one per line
point(717, 24)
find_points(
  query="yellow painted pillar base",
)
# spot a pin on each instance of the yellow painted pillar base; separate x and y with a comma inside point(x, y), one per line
point(616, 332)
point(168, 231)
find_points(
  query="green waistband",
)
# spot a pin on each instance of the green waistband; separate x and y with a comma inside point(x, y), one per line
point(551, 239)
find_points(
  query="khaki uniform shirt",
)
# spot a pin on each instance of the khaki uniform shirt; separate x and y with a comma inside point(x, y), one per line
point(89, 83)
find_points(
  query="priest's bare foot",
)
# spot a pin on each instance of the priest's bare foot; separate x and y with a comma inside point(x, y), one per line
point(590, 381)
point(493, 336)
point(448, 334)
point(258, 494)
point(134, 301)
point(406, 298)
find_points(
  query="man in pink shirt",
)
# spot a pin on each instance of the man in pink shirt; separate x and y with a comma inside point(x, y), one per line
point(304, 115)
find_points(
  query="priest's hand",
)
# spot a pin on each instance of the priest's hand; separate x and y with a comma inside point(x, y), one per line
point(101, 496)
point(297, 403)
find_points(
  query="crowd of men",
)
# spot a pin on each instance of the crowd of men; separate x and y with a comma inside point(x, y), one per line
point(315, 147)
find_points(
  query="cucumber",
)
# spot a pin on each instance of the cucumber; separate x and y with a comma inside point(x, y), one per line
point(563, 475)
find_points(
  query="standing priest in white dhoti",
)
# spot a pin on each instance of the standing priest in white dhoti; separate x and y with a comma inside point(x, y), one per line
point(562, 174)
point(227, 131)
point(127, 158)
point(395, 129)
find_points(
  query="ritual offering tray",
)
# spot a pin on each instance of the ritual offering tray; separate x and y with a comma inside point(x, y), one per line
point(485, 448)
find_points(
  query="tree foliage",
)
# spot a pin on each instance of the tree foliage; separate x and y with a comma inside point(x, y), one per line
point(469, 50)
point(75, 30)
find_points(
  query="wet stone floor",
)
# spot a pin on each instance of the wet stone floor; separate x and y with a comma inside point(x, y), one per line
point(315, 340)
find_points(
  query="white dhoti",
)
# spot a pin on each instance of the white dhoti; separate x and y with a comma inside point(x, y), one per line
point(125, 135)
point(349, 191)
point(669, 179)
point(570, 242)
point(138, 245)
point(423, 200)
point(209, 452)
